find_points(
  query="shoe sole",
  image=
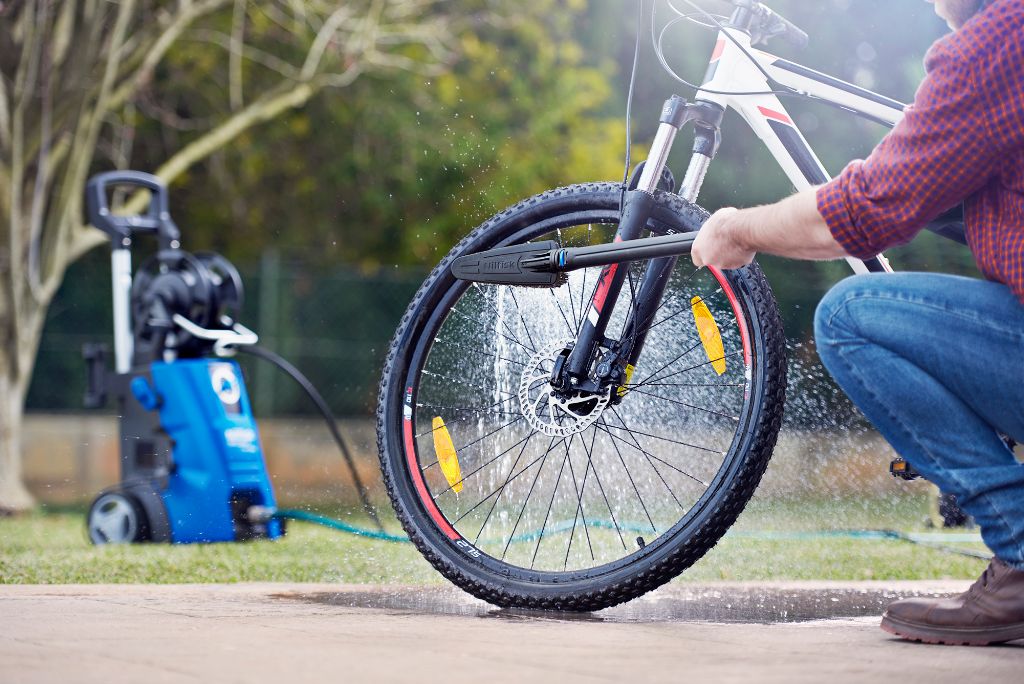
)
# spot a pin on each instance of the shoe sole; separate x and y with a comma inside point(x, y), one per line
point(949, 636)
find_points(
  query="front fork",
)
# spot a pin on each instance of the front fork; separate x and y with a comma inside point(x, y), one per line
point(639, 206)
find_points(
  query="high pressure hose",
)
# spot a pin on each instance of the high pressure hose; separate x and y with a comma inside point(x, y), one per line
point(325, 411)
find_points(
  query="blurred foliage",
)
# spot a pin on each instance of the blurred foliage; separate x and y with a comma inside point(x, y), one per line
point(396, 167)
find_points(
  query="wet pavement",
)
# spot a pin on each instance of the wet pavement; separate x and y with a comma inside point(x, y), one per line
point(724, 603)
point(791, 632)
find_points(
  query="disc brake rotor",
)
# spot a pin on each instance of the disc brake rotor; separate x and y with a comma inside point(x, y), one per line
point(552, 413)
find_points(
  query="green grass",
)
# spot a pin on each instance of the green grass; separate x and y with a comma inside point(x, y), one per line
point(51, 548)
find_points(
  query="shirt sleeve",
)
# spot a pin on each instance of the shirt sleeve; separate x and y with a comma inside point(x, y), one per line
point(936, 156)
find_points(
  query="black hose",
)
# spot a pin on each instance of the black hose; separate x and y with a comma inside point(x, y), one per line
point(325, 411)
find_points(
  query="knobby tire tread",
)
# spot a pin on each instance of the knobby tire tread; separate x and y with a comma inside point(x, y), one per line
point(729, 503)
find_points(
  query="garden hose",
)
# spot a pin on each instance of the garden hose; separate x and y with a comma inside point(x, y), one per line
point(332, 424)
point(931, 541)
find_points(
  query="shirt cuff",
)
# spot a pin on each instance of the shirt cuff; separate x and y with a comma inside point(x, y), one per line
point(835, 207)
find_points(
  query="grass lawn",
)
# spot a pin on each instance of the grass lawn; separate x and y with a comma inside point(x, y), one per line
point(52, 548)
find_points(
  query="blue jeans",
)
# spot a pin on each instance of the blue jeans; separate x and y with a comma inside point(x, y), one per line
point(936, 362)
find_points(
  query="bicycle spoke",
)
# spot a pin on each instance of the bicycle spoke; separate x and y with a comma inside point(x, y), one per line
point(500, 490)
point(479, 468)
point(510, 339)
point(568, 290)
point(666, 439)
point(653, 313)
point(499, 317)
point(568, 325)
point(656, 471)
point(467, 384)
point(512, 291)
point(684, 309)
point(579, 507)
point(463, 448)
point(686, 370)
point(547, 514)
point(649, 454)
point(683, 403)
point(600, 487)
point(631, 388)
point(600, 421)
point(469, 350)
point(530, 494)
point(486, 409)
point(651, 376)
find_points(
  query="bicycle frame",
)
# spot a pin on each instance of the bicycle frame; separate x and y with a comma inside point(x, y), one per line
point(730, 70)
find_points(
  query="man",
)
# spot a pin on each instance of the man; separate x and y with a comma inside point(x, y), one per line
point(934, 361)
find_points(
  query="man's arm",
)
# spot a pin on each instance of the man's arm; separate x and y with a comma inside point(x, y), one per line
point(790, 228)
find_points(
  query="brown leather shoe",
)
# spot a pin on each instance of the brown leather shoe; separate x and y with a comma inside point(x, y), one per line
point(990, 612)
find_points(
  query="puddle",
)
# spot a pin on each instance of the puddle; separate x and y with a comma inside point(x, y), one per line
point(757, 605)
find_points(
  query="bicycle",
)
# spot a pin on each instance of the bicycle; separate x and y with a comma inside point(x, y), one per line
point(579, 480)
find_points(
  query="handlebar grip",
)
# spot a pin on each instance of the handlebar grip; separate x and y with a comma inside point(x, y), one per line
point(779, 26)
point(156, 219)
point(794, 35)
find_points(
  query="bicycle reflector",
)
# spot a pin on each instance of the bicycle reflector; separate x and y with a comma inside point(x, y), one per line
point(444, 449)
point(710, 335)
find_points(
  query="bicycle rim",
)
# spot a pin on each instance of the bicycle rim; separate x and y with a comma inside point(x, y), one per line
point(544, 507)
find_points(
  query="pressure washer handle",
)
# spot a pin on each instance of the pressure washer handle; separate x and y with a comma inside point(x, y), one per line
point(543, 264)
point(156, 219)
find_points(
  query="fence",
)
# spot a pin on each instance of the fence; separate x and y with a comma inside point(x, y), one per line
point(334, 324)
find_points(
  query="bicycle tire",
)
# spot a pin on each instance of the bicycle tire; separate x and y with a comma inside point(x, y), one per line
point(650, 565)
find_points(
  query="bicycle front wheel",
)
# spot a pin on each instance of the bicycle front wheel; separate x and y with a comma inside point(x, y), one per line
point(522, 501)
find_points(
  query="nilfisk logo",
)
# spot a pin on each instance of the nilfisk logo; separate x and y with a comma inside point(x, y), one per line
point(501, 265)
point(225, 384)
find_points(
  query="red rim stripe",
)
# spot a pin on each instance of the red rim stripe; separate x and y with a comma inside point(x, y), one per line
point(737, 311)
point(421, 487)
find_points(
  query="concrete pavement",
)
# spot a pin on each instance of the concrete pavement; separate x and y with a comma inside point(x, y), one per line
point(295, 633)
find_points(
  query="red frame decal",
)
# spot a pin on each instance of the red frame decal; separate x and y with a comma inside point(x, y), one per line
point(772, 114)
point(719, 49)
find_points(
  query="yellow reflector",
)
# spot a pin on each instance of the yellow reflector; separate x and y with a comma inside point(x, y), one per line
point(630, 368)
point(444, 449)
point(710, 336)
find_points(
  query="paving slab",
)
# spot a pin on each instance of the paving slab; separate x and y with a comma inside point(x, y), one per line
point(728, 632)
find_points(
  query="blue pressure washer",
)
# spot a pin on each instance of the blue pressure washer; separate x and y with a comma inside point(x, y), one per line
point(192, 469)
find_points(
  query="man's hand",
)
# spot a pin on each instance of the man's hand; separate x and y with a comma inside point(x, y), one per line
point(721, 242)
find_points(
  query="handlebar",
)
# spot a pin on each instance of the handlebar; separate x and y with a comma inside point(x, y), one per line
point(156, 219)
point(763, 23)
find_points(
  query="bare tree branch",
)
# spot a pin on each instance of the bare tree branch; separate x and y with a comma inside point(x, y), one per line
point(235, 56)
point(189, 14)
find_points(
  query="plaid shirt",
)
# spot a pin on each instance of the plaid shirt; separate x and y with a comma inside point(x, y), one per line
point(962, 140)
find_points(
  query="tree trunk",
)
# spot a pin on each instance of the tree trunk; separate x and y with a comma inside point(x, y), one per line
point(13, 495)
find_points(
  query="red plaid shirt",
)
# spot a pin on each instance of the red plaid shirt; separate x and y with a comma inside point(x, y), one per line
point(961, 141)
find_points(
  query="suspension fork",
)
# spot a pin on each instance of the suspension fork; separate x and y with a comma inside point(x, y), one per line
point(638, 208)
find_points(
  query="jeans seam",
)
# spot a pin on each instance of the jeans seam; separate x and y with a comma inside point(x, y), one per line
point(885, 296)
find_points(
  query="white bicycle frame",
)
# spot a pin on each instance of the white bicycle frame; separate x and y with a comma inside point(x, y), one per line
point(731, 71)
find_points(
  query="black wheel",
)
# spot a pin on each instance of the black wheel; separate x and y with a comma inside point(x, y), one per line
point(116, 518)
point(525, 502)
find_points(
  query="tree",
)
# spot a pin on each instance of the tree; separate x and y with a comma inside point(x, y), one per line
point(72, 75)
point(402, 166)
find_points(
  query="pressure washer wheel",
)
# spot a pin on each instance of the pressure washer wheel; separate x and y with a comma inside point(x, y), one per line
point(116, 518)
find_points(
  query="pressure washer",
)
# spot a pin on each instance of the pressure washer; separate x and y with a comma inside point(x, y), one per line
point(192, 468)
